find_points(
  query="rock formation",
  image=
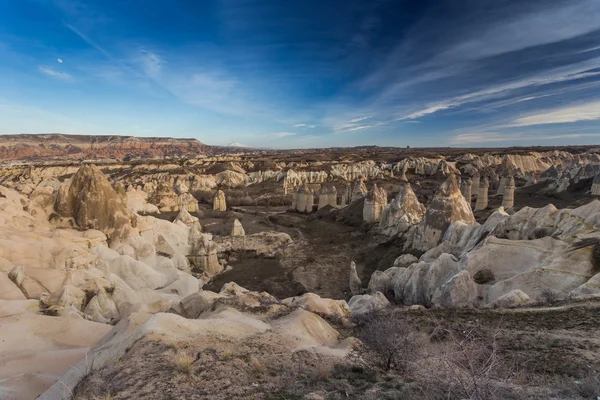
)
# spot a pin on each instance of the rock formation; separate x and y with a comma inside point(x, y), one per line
point(354, 283)
point(327, 197)
point(508, 197)
point(465, 189)
point(482, 195)
point(447, 206)
point(359, 191)
point(237, 229)
point(219, 203)
point(187, 202)
point(375, 202)
point(91, 201)
point(203, 252)
point(596, 185)
point(402, 213)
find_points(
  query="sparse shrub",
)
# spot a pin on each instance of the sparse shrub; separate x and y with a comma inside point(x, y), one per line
point(483, 276)
point(391, 342)
point(549, 297)
point(182, 362)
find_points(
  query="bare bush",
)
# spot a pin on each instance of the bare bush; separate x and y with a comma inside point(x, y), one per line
point(466, 366)
point(391, 343)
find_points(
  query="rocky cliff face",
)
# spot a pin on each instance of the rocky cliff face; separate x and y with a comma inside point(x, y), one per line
point(45, 146)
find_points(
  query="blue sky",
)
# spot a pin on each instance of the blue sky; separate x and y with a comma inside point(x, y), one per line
point(305, 74)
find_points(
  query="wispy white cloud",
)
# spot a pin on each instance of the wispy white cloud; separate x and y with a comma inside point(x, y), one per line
point(532, 29)
point(582, 112)
point(89, 41)
point(579, 71)
point(305, 126)
point(492, 137)
point(150, 62)
point(280, 134)
point(63, 76)
point(355, 120)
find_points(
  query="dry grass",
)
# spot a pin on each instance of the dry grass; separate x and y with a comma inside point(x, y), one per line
point(182, 362)
point(257, 367)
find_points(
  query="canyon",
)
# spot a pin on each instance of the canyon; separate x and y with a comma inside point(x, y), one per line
point(165, 268)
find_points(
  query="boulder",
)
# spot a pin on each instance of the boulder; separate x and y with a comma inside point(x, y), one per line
point(367, 303)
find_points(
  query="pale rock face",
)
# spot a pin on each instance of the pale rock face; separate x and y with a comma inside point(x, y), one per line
point(137, 202)
point(508, 196)
point(475, 180)
point(327, 197)
point(314, 303)
point(219, 203)
point(375, 202)
point(359, 191)
point(181, 187)
point(203, 252)
point(381, 281)
point(41, 202)
point(237, 229)
point(185, 218)
point(367, 303)
point(512, 299)
point(465, 189)
point(447, 206)
point(304, 199)
point(458, 292)
point(187, 202)
point(164, 197)
point(482, 195)
point(402, 213)
point(405, 260)
point(596, 185)
point(91, 201)
point(354, 283)
point(419, 282)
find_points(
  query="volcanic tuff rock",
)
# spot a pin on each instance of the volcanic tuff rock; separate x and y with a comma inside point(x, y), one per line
point(354, 281)
point(92, 202)
point(237, 229)
point(375, 202)
point(219, 203)
point(447, 206)
point(402, 213)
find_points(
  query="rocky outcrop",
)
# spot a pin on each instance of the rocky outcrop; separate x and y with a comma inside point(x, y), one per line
point(508, 196)
point(237, 229)
point(219, 203)
point(596, 185)
point(402, 213)
point(327, 197)
point(203, 252)
point(367, 303)
point(92, 202)
point(354, 282)
point(304, 199)
point(447, 206)
point(465, 189)
point(187, 202)
point(375, 202)
point(482, 195)
point(359, 191)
